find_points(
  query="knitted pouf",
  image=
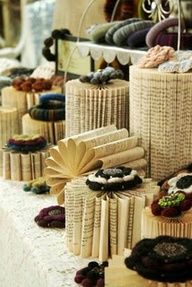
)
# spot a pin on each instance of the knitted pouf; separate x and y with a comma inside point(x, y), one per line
point(89, 106)
point(160, 114)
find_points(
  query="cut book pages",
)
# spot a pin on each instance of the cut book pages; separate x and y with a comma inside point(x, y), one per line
point(80, 154)
point(100, 224)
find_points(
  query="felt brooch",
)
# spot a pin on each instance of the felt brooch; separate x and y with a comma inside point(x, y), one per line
point(53, 216)
point(114, 179)
point(92, 275)
point(171, 205)
point(26, 143)
point(163, 259)
point(37, 186)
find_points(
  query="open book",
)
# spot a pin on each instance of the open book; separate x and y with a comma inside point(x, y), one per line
point(80, 154)
point(101, 224)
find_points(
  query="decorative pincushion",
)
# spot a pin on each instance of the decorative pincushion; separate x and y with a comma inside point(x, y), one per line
point(92, 275)
point(163, 259)
point(37, 186)
point(114, 179)
point(171, 205)
point(26, 143)
point(102, 77)
point(53, 216)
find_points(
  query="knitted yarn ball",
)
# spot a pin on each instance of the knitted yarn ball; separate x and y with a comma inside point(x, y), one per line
point(53, 216)
point(163, 259)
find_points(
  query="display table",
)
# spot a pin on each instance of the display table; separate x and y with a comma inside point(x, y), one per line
point(31, 256)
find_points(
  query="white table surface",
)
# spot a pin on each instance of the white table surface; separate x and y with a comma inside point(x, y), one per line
point(31, 256)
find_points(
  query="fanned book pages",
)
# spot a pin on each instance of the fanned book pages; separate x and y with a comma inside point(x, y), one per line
point(99, 223)
point(160, 114)
point(153, 226)
point(80, 154)
point(89, 106)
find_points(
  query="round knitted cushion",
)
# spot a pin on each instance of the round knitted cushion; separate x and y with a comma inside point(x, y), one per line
point(109, 34)
point(158, 28)
point(51, 108)
point(137, 39)
point(121, 35)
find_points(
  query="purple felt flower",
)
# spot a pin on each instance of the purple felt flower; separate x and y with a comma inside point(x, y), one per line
point(52, 216)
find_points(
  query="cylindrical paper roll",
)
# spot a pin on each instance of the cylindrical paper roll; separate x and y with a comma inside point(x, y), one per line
point(15, 165)
point(160, 114)
point(153, 226)
point(26, 166)
point(21, 100)
point(52, 131)
point(9, 124)
point(89, 106)
point(19, 166)
point(6, 169)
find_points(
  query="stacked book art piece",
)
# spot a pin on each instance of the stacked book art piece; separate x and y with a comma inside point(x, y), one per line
point(47, 118)
point(160, 109)
point(103, 211)
point(24, 157)
point(170, 214)
point(25, 92)
point(96, 100)
point(99, 148)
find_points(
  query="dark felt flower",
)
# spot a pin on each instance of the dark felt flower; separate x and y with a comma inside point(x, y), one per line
point(52, 216)
point(164, 259)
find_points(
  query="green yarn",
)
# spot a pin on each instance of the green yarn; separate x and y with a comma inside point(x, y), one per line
point(121, 35)
point(109, 34)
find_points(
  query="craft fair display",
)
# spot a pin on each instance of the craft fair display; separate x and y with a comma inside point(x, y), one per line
point(103, 211)
point(160, 114)
point(96, 100)
point(80, 154)
point(24, 157)
point(160, 262)
point(47, 118)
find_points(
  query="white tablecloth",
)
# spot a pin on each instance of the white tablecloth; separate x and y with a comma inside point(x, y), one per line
point(31, 256)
